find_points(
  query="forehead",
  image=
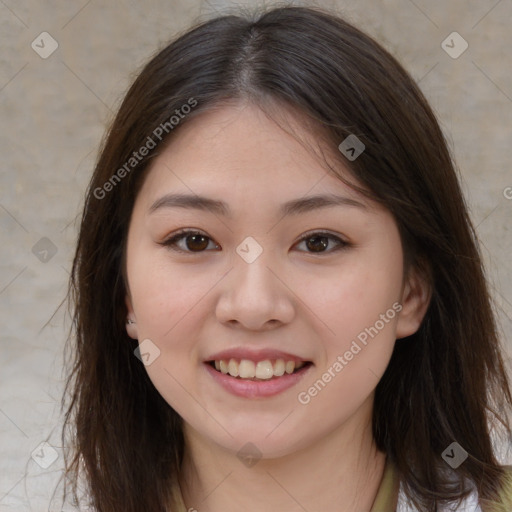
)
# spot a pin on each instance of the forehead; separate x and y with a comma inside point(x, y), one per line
point(236, 149)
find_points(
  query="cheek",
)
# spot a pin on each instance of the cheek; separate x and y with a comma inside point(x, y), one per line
point(352, 297)
point(358, 305)
point(164, 295)
point(171, 303)
point(354, 358)
point(169, 306)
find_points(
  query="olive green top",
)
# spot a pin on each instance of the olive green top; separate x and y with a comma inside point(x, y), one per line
point(387, 495)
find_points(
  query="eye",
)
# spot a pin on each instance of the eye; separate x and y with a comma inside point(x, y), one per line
point(318, 242)
point(194, 241)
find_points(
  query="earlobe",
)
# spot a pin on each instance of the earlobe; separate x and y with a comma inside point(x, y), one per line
point(416, 296)
point(131, 323)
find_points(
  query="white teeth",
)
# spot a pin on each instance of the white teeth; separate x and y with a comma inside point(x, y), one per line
point(290, 366)
point(279, 368)
point(246, 369)
point(233, 368)
point(223, 367)
point(264, 370)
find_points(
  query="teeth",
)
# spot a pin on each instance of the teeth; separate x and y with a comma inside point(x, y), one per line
point(223, 367)
point(233, 368)
point(290, 366)
point(246, 369)
point(263, 370)
point(279, 368)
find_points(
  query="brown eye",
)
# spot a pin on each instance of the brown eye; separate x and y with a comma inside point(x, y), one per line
point(188, 241)
point(196, 242)
point(318, 243)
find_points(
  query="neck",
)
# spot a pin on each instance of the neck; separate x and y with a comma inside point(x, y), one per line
point(341, 472)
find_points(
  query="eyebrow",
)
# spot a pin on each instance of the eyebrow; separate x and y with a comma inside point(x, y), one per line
point(215, 206)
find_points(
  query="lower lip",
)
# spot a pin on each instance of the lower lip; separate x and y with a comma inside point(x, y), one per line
point(257, 388)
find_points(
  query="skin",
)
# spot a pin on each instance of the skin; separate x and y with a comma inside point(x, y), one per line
point(191, 305)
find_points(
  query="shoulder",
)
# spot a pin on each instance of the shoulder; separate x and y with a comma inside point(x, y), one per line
point(506, 489)
point(472, 503)
point(504, 503)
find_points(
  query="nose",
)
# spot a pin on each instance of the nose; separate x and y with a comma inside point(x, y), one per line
point(255, 295)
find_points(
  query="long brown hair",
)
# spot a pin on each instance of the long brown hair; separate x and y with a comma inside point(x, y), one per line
point(445, 383)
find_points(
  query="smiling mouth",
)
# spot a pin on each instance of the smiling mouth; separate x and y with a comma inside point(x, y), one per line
point(267, 369)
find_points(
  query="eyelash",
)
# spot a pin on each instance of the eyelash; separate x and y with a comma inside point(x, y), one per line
point(171, 243)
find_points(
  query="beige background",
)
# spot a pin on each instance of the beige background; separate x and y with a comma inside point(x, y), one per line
point(53, 112)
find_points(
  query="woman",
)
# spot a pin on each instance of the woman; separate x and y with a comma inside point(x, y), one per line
point(279, 301)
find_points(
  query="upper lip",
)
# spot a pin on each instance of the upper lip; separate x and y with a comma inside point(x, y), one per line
point(254, 355)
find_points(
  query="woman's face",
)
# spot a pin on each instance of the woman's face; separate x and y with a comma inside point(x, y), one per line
point(249, 292)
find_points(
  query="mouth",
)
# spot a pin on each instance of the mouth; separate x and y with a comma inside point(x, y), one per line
point(256, 373)
point(263, 370)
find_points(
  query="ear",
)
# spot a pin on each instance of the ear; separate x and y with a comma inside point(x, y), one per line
point(416, 294)
point(131, 321)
